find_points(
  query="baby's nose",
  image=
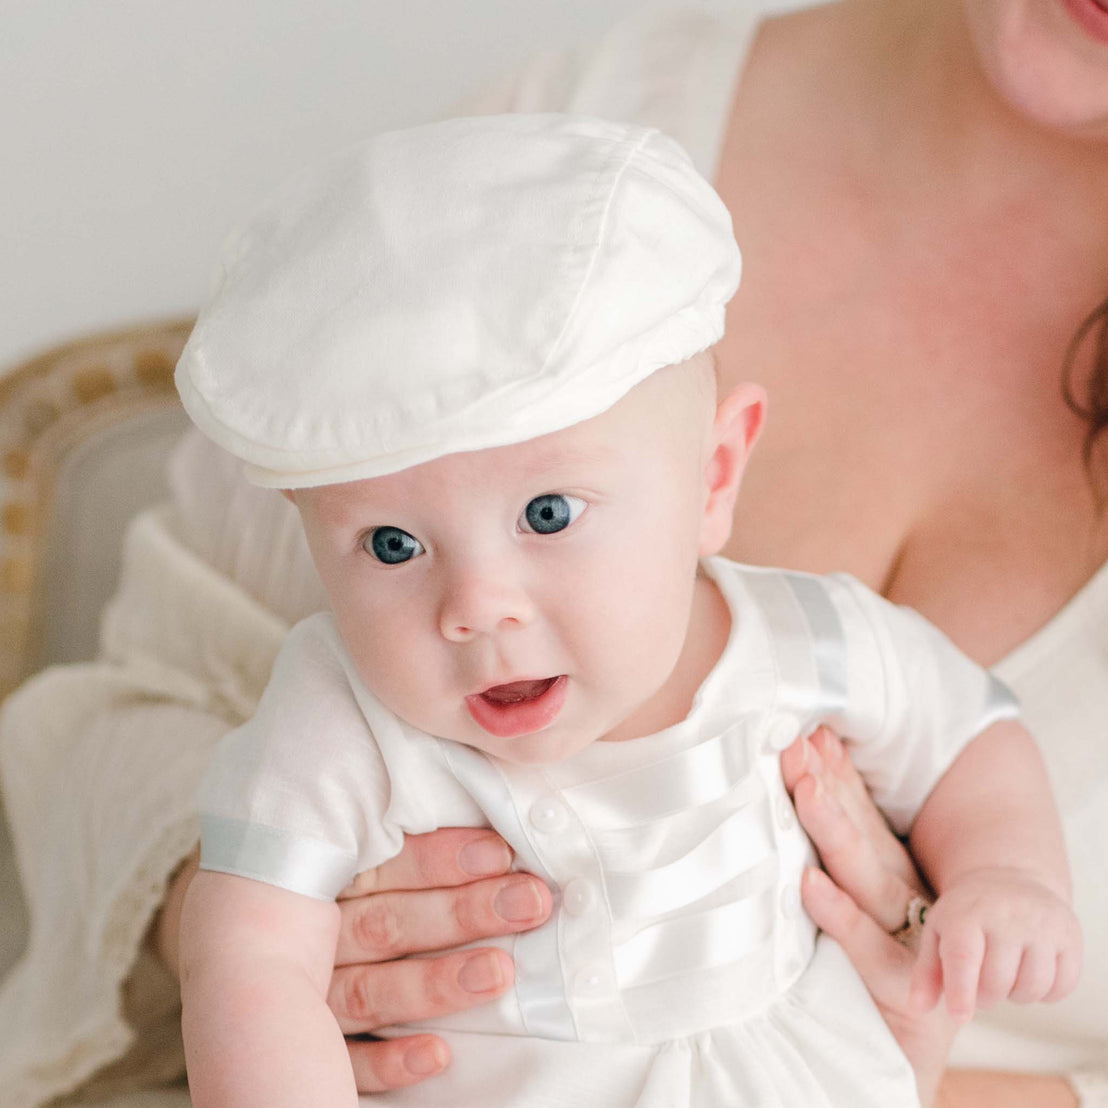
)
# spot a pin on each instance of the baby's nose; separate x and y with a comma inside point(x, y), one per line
point(482, 604)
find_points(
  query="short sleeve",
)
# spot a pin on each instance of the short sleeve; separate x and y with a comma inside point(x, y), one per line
point(673, 69)
point(914, 700)
point(300, 796)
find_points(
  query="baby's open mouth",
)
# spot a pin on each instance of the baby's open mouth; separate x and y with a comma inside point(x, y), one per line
point(518, 707)
point(518, 691)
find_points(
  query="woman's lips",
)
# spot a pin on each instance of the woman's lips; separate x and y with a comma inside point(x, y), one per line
point(518, 708)
point(1092, 15)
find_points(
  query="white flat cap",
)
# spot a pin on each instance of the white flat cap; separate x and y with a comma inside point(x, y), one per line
point(452, 287)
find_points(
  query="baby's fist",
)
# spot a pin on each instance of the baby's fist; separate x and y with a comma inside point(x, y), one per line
point(996, 934)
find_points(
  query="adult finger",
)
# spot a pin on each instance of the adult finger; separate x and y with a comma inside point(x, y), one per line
point(798, 760)
point(393, 1063)
point(883, 963)
point(843, 781)
point(437, 860)
point(849, 856)
point(390, 925)
point(927, 974)
point(364, 998)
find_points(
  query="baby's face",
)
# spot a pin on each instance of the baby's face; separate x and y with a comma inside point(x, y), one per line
point(530, 599)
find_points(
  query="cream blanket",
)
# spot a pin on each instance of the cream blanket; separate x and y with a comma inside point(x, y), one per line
point(184, 653)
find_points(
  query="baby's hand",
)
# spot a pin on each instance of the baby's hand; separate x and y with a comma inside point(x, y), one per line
point(995, 934)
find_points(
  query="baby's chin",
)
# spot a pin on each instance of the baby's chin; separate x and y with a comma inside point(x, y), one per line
point(538, 748)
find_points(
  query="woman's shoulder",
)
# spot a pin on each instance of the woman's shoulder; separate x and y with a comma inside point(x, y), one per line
point(673, 69)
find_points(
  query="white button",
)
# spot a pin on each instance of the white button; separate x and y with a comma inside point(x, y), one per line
point(786, 817)
point(549, 814)
point(782, 731)
point(578, 897)
point(591, 981)
point(790, 902)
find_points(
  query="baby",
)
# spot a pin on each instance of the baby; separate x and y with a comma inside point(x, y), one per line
point(476, 357)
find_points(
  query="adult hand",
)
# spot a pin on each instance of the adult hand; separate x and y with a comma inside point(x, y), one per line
point(444, 889)
point(864, 895)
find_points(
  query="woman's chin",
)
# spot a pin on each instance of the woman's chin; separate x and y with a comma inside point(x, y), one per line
point(1043, 63)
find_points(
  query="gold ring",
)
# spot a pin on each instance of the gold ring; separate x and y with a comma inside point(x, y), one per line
point(909, 932)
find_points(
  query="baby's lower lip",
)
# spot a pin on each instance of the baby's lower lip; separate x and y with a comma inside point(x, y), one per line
point(520, 708)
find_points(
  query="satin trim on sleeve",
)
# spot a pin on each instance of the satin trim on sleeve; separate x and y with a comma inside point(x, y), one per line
point(307, 866)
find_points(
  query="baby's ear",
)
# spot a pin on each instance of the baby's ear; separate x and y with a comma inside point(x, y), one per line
point(735, 429)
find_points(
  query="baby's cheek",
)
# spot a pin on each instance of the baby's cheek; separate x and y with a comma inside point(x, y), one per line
point(384, 655)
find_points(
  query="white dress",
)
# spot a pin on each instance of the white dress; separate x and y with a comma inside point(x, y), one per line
point(678, 968)
point(100, 762)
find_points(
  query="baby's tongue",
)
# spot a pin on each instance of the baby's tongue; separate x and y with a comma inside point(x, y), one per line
point(518, 690)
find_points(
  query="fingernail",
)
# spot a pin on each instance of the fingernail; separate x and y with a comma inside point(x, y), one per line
point(425, 1059)
point(517, 902)
point(485, 857)
point(481, 973)
point(812, 761)
point(826, 799)
point(815, 882)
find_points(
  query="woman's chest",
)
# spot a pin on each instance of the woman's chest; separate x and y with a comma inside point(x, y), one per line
point(917, 440)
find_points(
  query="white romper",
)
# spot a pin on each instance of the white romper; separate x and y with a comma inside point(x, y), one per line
point(678, 968)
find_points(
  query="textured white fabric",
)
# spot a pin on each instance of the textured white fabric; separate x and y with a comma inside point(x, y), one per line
point(676, 857)
point(456, 286)
point(209, 587)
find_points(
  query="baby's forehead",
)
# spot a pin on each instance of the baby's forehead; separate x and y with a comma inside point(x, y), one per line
point(456, 287)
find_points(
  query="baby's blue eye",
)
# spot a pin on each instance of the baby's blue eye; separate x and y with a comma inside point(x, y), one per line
point(551, 512)
point(391, 545)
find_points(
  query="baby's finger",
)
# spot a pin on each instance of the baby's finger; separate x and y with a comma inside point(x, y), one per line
point(390, 925)
point(1037, 971)
point(962, 950)
point(437, 860)
point(927, 975)
point(998, 972)
point(364, 998)
point(849, 857)
point(394, 1063)
point(1067, 971)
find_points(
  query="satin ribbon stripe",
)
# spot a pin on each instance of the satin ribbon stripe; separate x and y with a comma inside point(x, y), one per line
point(693, 777)
point(738, 844)
point(809, 642)
point(699, 941)
point(651, 845)
point(828, 640)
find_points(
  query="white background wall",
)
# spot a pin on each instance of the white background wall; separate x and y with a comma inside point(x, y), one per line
point(135, 133)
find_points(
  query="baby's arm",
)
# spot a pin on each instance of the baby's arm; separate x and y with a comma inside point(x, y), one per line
point(990, 840)
point(256, 962)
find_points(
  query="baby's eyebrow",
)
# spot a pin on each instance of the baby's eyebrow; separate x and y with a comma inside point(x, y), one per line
point(555, 456)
